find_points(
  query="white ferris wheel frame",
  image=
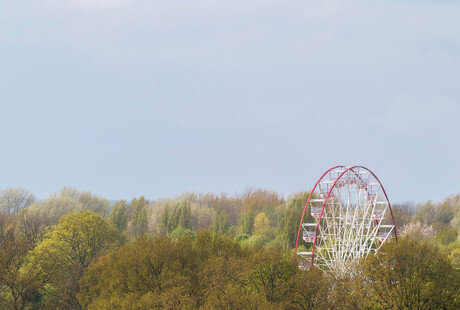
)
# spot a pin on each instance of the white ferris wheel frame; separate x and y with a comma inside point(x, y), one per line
point(344, 231)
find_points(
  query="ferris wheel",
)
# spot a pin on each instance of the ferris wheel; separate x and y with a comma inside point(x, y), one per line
point(349, 217)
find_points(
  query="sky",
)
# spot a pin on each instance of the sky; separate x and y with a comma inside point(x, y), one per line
point(143, 97)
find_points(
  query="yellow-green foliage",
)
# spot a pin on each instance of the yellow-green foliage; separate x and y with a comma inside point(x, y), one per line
point(261, 222)
point(67, 249)
point(410, 275)
point(78, 263)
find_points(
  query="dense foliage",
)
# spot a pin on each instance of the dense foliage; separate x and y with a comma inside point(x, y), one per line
point(75, 250)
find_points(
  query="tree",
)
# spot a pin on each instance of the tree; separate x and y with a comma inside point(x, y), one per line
point(13, 200)
point(178, 215)
point(431, 213)
point(261, 222)
point(70, 200)
point(403, 213)
point(417, 231)
point(426, 213)
point(307, 290)
point(410, 275)
point(119, 215)
point(87, 200)
point(247, 221)
point(256, 241)
point(272, 268)
point(97, 204)
point(260, 198)
point(181, 232)
point(220, 223)
point(290, 218)
point(224, 285)
point(164, 226)
point(446, 235)
point(455, 258)
point(55, 207)
point(242, 237)
point(185, 214)
point(144, 274)
point(19, 287)
point(138, 224)
point(68, 249)
point(32, 225)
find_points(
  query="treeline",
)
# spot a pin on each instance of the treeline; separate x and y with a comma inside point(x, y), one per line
point(75, 250)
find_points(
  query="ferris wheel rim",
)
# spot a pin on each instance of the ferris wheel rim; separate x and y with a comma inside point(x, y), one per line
point(350, 168)
point(308, 200)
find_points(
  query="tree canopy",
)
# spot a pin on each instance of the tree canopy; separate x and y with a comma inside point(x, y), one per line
point(74, 250)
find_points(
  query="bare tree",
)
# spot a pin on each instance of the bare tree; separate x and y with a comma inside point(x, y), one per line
point(32, 225)
point(13, 200)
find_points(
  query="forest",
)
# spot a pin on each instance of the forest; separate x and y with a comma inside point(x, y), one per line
point(76, 250)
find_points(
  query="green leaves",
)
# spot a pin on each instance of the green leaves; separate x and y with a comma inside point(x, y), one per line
point(78, 263)
point(179, 215)
point(67, 249)
point(411, 275)
point(144, 271)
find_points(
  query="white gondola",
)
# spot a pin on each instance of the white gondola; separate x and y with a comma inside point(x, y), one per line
point(378, 214)
point(315, 211)
point(309, 233)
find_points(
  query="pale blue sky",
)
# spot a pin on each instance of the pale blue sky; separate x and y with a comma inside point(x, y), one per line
point(145, 97)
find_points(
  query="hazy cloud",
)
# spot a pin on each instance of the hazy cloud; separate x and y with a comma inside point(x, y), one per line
point(407, 113)
point(151, 98)
point(85, 3)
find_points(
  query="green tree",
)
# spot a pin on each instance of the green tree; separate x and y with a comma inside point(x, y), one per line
point(179, 215)
point(403, 213)
point(261, 222)
point(68, 249)
point(156, 273)
point(220, 223)
point(426, 213)
point(431, 213)
point(290, 218)
point(446, 235)
point(185, 214)
point(256, 241)
point(164, 226)
point(119, 215)
point(272, 269)
point(242, 237)
point(224, 284)
point(455, 258)
point(138, 224)
point(97, 204)
point(181, 232)
point(247, 221)
point(410, 275)
point(307, 290)
point(19, 287)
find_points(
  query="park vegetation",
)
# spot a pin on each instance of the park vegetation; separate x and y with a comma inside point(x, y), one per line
point(76, 250)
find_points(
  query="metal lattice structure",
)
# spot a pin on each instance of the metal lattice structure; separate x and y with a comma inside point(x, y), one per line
point(350, 217)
